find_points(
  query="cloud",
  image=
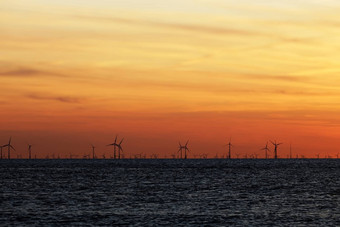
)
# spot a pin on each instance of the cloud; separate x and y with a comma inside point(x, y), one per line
point(21, 72)
point(278, 77)
point(184, 27)
point(64, 99)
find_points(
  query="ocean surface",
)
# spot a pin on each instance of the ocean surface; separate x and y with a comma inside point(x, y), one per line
point(253, 192)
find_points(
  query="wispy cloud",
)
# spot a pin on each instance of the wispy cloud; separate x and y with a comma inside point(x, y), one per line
point(287, 78)
point(167, 25)
point(18, 71)
point(58, 98)
point(21, 72)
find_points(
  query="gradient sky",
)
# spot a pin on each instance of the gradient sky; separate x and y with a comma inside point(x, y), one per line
point(156, 72)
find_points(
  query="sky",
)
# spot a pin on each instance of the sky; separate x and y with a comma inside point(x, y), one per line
point(155, 72)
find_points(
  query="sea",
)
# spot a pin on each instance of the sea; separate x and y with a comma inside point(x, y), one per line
point(170, 192)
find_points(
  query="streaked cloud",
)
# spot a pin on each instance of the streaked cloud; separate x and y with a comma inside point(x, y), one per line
point(22, 72)
point(168, 25)
point(58, 98)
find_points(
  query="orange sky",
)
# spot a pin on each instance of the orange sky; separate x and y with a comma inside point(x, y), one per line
point(79, 72)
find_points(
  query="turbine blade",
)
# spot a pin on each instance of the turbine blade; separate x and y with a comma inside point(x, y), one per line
point(187, 143)
point(116, 138)
point(272, 142)
point(10, 138)
point(12, 147)
point(121, 141)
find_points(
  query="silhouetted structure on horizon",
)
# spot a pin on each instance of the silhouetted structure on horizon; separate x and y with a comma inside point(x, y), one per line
point(115, 146)
point(93, 147)
point(120, 148)
point(185, 148)
point(275, 148)
point(229, 144)
point(9, 148)
point(29, 151)
point(266, 149)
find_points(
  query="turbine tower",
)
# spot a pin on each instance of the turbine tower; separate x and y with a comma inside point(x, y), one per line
point(229, 144)
point(120, 149)
point(180, 149)
point(9, 147)
point(275, 148)
point(185, 148)
point(93, 147)
point(114, 144)
point(29, 151)
point(266, 149)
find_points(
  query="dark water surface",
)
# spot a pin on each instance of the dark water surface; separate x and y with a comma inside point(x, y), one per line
point(170, 192)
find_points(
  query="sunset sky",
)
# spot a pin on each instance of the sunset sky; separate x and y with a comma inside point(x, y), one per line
point(156, 72)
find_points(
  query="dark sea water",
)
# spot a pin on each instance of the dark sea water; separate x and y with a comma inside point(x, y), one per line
point(170, 192)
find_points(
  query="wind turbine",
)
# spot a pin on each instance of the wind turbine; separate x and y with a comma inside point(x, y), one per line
point(229, 144)
point(29, 151)
point(266, 149)
point(120, 149)
point(9, 147)
point(114, 144)
point(275, 148)
point(185, 148)
point(180, 149)
point(93, 147)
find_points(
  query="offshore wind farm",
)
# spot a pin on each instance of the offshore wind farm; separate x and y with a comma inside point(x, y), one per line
point(169, 113)
point(182, 153)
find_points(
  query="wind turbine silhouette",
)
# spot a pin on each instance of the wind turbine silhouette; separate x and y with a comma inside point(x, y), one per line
point(185, 148)
point(120, 149)
point(9, 147)
point(114, 144)
point(29, 151)
point(93, 147)
point(275, 148)
point(266, 149)
point(229, 144)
